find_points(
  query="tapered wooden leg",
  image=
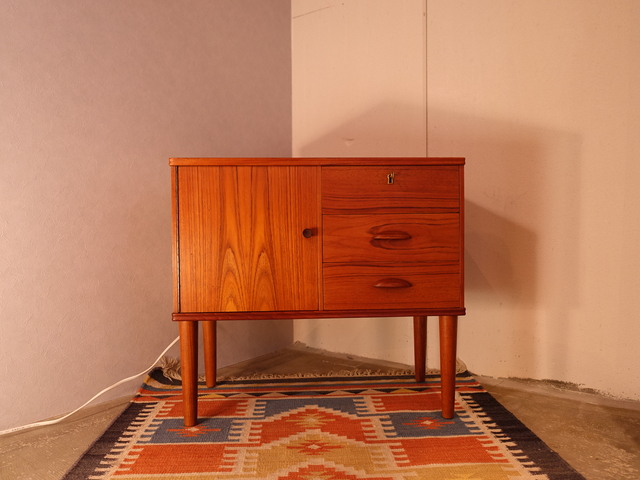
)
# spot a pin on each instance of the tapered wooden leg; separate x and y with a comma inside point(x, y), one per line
point(420, 346)
point(189, 361)
point(209, 339)
point(448, 341)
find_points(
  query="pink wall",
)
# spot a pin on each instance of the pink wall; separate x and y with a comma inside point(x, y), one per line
point(94, 99)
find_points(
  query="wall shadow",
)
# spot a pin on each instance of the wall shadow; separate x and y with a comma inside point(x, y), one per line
point(522, 191)
point(500, 256)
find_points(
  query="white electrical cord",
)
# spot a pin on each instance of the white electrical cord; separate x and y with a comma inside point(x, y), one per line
point(56, 420)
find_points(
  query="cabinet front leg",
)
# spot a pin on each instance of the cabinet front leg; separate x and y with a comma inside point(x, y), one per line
point(209, 339)
point(189, 368)
point(448, 342)
point(420, 347)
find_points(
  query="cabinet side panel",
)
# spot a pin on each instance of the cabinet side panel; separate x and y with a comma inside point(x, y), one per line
point(175, 261)
point(461, 169)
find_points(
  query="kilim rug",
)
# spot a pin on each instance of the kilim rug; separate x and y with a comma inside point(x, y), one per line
point(323, 428)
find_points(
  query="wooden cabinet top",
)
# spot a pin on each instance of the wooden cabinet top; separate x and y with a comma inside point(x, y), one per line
point(259, 161)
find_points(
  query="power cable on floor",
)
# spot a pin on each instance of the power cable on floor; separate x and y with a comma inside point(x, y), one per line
point(56, 420)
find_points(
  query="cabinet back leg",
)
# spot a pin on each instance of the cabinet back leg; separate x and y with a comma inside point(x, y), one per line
point(420, 347)
point(209, 343)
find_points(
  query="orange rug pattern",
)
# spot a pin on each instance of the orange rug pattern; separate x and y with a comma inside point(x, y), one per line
point(373, 428)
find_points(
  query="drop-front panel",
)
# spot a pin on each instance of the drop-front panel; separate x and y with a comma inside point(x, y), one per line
point(314, 238)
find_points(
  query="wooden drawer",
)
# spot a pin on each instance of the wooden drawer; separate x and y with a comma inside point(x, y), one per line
point(392, 238)
point(350, 287)
point(356, 189)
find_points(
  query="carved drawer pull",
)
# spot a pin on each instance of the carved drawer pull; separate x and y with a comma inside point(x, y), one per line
point(392, 283)
point(392, 235)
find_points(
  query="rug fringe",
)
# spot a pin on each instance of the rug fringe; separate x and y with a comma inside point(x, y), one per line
point(171, 369)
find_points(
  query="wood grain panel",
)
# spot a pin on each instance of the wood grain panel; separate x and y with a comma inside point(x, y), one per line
point(353, 286)
point(365, 189)
point(400, 238)
point(461, 233)
point(241, 246)
point(175, 251)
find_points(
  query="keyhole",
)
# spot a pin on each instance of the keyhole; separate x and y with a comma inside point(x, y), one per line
point(390, 178)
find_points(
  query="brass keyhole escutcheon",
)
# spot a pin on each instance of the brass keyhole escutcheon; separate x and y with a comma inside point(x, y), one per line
point(390, 178)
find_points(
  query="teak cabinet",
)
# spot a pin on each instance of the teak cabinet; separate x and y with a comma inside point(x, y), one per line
point(275, 238)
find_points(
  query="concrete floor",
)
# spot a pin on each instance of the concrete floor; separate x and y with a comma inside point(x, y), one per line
point(598, 436)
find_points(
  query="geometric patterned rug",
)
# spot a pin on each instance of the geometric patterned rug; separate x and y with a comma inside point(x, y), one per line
point(322, 428)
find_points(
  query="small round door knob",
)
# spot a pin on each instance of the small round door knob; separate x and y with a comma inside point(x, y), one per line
point(307, 233)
